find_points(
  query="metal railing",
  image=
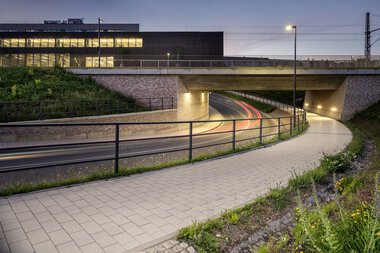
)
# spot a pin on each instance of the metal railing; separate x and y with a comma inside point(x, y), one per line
point(279, 105)
point(216, 61)
point(275, 63)
point(236, 131)
point(52, 109)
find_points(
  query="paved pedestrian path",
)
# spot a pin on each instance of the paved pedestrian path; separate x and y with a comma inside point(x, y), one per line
point(132, 213)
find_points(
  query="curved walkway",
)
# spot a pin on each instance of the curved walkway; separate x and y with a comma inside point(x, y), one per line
point(132, 213)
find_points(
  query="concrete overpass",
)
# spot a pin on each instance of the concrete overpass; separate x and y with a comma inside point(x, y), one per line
point(335, 92)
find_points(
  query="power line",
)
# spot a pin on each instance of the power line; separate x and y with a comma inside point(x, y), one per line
point(284, 33)
point(245, 26)
point(299, 39)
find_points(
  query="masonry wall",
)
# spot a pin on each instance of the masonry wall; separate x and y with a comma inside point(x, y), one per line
point(13, 134)
point(355, 94)
point(192, 105)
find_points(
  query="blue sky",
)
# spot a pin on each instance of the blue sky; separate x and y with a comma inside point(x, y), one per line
point(252, 27)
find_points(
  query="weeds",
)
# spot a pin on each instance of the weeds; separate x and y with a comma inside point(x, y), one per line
point(352, 231)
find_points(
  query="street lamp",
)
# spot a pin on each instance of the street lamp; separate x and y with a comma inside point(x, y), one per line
point(99, 21)
point(290, 28)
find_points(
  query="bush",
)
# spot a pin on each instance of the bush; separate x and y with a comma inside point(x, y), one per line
point(346, 231)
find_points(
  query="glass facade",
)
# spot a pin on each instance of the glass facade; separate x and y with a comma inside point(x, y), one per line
point(50, 60)
point(14, 42)
point(71, 42)
point(105, 62)
point(37, 42)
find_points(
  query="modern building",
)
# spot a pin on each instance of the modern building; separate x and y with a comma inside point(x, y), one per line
point(72, 43)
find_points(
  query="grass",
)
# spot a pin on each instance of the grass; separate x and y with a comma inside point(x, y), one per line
point(258, 105)
point(33, 85)
point(274, 204)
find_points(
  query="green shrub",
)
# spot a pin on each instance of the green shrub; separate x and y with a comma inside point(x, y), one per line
point(201, 235)
point(340, 162)
point(350, 231)
point(304, 180)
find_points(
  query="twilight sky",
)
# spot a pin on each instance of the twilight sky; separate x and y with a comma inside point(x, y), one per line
point(252, 27)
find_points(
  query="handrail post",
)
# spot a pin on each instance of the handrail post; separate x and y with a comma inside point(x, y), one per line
point(172, 102)
point(117, 148)
point(190, 141)
point(298, 123)
point(279, 129)
point(291, 125)
point(162, 103)
point(261, 130)
point(234, 134)
point(150, 104)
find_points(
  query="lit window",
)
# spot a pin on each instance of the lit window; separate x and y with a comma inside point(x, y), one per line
point(118, 42)
point(106, 42)
point(51, 42)
point(66, 43)
point(105, 62)
point(44, 60)
point(63, 60)
point(21, 42)
point(36, 42)
point(139, 42)
point(7, 43)
point(44, 42)
point(132, 42)
point(80, 42)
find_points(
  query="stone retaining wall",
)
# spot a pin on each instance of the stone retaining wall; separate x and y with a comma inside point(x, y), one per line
point(354, 95)
point(92, 132)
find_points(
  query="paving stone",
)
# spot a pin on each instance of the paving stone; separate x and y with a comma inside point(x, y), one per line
point(45, 247)
point(115, 248)
point(15, 235)
point(112, 228)
point(81, 238)
point(10, 224)
point(59, 237)
point(51, 226)
point(23, 246)
point(37, 236)
point(103, 239)
point(92, 248)
point(69, 247)
point(91, 227)
point(4, 246)
point(31, 225)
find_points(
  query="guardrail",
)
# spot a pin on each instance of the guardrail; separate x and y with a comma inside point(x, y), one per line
point(259, 129)
point(280, 105)
point(46, 109)
point(232, 63)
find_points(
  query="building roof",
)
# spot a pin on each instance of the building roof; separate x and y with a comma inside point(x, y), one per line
point(70, 25)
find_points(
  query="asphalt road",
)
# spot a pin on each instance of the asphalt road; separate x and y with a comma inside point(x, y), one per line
point(230, 109)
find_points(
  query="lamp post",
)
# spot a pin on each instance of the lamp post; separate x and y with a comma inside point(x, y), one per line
point(99, 21)
point(290, 28)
